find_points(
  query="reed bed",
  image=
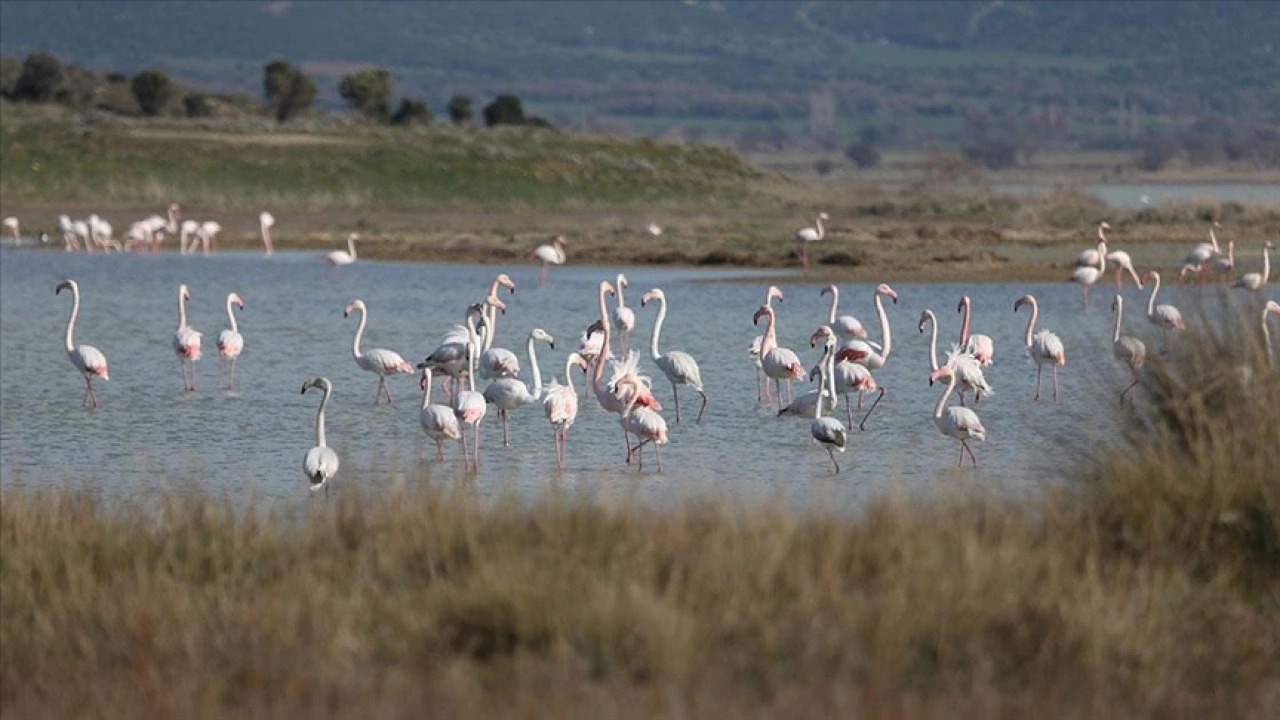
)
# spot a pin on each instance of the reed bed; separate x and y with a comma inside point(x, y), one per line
point(1149, 587)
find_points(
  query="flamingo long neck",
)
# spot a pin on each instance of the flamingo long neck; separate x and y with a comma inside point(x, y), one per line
point(964, 323)
point(951, 385)
point(933, 340)
point(491, 327)
point(1102, 234)
point(884, 328)
point(823, 374)
point(568, 375)
point(1031, 322)
point(231, 317)
point(1213, 238)
point(1151, 302)
point(835, 301)
point(822, 231)
point(324, 402)
point(182, 310)
point(172, 226)
point(621, 302)
point(831, 376)
point(1115, 338)
point(1266, 339)
point(598, 377)
point(1266, 263)
point(351, 246)
point(657, 329)
point(473, 349)
point(770, 341)
point(355, 343)
point(533, 363)
point(426, 388)
point(75, 311)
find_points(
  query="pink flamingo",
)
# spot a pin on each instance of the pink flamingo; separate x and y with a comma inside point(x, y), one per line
point(778, 363)
point(865, 352)
point(87, 359)
point(624, 318)
point(468, 405)
point(850, 377)
point(186, 341)
point(679, 367)
point(508, 393)
point(230, 341)
point(968, 369)
point(1202, 253)
point(496, 362)
point(647, 425)
point(265, 222)
point(1087, 275)
point(337, 258)
point(1165, 317)
point(379, 361)
point(1093, 257)
point(1123, 263)
point(762, 388)
point(827, 430)
point(552, 254)
point(980, 346)
point(438, 421)
point(1044, 347)
point(808, 235)
point(560, 404)
point(450, 357)
point(1255, 281)
point(960, 423)
point(802, 406)
point(320, 462)
point(606, 392)
point(1127, 349)
point(846, 326)
point(590, 346)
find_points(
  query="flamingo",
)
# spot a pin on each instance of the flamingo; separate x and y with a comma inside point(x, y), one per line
point(762, 389)
point(186, 234)
point(640, 421)
point(67, 231)
point(1123, 263)
point(960, 423)
point(207, 235)
point(552, 254)
point(1093, 257)
point(653, 229)
point(1226, 264)
point(337, 258)
point(803, 405)
point(496, 362)
point(378, 361)
point(438, 421)
point(811, 235)
point(468, 405)
point(968, 369)
point(186, 341)
point(11, 226)
point(679, 367)
point(828, 430)
point(1127, 349)
point(1165, 317)
point(1255, 281)
point(560, 404)
point(624, 318)
point(320, 462)
point(981, 347)
point(865, 352)
point(590, 346)
point(1272, 308)
point(100, 233)
point(1044, 347)
point(230, 342)
point(846, 326)
point(778, 363)
point(87, 359)
point(81, 230)
point(508, 393)
point(265, 222)
point(606, 392)
point(1087, 275)
point(1202, 253)
point(849, 377)
point(450, 358)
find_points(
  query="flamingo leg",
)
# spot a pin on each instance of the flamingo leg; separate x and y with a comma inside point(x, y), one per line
point(759, 392)
point(1119, 281)
point(219, 371)
point(848, 410)
point(657, 451)
point(1131, 386)
point(863, 425)
point(502, 415)
point(193, 376)
point(233, 373)
point(675, 390)
point(439, 450)
point(832, 454)
point(1055, 383)
point(964, 446)
point(961, 394)
point(961, 463)
point(703, 408)
point(626, 442)
point(1039, 371)
point(387, 389)
point(466, 456)
point(542, 275)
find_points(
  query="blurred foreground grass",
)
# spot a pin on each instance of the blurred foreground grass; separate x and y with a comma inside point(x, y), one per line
point(1150, 587)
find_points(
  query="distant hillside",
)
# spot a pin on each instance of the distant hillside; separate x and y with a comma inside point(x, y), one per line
point(922, 66)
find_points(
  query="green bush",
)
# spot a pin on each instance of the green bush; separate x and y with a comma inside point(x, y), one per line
point(504, 110)
point(368, 91)
point(152, 89)
point(288, 90)
point(460, 110)
point(40, 80)
point(410, 112)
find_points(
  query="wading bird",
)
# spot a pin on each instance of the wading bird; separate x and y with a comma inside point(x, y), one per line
point(320, 462)
point(1127, 349)
point(379, 361)
point(1255, 281)
point(960, 423)
point(560, 404)
point(87, 359)
point(437, 421)
point(1043, 347)
point(827, 430)
point(508, 393)
point(846, 327)
point(1165, 317)
point(343, 257)
point(230, 342)
point(552, 254)
point(186, 341)
point(808, 235)
point(679, 366)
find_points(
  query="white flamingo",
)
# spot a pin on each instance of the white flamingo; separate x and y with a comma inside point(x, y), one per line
point(87, 359)
point(1272, 308)
point(560, 405)
point(186, 236)
point(846, 326)
point(1165, 317)
point(437, 421)
point(67, 230)
point(778, 363)
point(186, 341)
point(1087, 275)
point(762, 388)
point(468, 405)
point(808, 235)
point(679, 366)
point(81, 230)
point(865, 352)
point(968, 369)
point(828, 430)
point(337, 258)
point(624, 319)
point(508, 393)
point(1127, 349)
point(230, 341)
point(1123, 263)
point(452, 357)
point(980, 346)
point(1044, 347)
point(495, 362)
point(1202, 253)
point(265, 222)
point(648, 426)
point(1255, 281)
point(960, 423)
point(207, 234)
point(803, 404)
point(1093, 256)
point(100, 232)
point(552, 254)
point(321, 462)
point(11, 226)
point(379, 361)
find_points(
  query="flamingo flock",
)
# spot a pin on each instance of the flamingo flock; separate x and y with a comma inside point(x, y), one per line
point(95, 234)
point(846, 367)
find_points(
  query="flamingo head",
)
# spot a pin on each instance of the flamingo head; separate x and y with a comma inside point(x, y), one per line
point(184, 292)
point(885, 290)
point(540, 334)
point(824, 216)
point(493, 301)
point(505, 282)
point(425, 381)
point(925, 317)
point(654, 294)
point(1270, 245)
point(1104, 225)
point(824, 333)
point(561, 240)
point(964, 302)
point(764, 311)
point(1024, 300)
point(595, 327)
point(352, 307)
point(65, 285)
point(774, 293)
point(622, 281)
point(265, 219)
point(850, 355)
point(317, 382)
point(944, 371)
point(1272, 307)
point(1215, 224)
point(1151, 274)
point(353, 237)
point(1186, 269)
point(175, 212)
point(829, 290)
point(235, 298)
point(577, 359)
point(607, 287)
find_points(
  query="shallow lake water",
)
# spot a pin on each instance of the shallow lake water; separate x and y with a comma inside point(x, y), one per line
point(150, 435)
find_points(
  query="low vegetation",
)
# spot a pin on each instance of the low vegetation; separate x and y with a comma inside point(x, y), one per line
point(1146, 588)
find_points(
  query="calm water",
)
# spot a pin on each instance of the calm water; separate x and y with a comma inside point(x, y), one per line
point(150, 434)
point(1136, 195)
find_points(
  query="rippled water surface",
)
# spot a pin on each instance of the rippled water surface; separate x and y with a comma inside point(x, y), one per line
point(150, 434)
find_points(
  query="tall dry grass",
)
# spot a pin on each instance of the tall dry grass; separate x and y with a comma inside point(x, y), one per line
point(1151, 588)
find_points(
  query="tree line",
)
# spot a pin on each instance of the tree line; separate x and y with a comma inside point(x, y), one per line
point(287, 91)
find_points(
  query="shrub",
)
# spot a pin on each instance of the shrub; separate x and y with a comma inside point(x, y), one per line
point(197, 105)
point(368, 91)
point(863, 154)
point(504, 110)
point(411, 111)
point(288, 90)
point(460, 110)
point(152, 89)
point(40, 79)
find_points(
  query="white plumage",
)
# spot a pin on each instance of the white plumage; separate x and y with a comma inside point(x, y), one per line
point(321, 462)
point(344, 257)
point(679, 366)
point(1043, 347)
point(1255, 281)
point(437, 421)
point(87, 359)
point(960, 423)
point(380, 361)
point(508, 393)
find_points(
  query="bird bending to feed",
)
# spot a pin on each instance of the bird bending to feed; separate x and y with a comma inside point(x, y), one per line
point(320, 462)
point(865, 352)
point(827, 430)
point(508, 393)
point(968, 370)
point(647, 425)
point(266, 221)
point(1255, 281)
point(207, 234)
point(186, 341)
point(1127, 349)
point(1226, 265)
point(379, 361)
point(808, 235)
point(762, 388)
point(679, 366)
point(1165, 317)
point(845, 326)
point(438, 421)
point(960, 423)
point(343, 257)
point(87, 359)
point(230, 342)
point(981, 347)
point(1202, 253)
point(552, 254)
point(1123, 263)
point(778, 363)
point(1044, 347)
point(624, 318)
point(560, 404)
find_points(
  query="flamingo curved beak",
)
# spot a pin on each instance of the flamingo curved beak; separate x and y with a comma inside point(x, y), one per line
point(755, 319)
